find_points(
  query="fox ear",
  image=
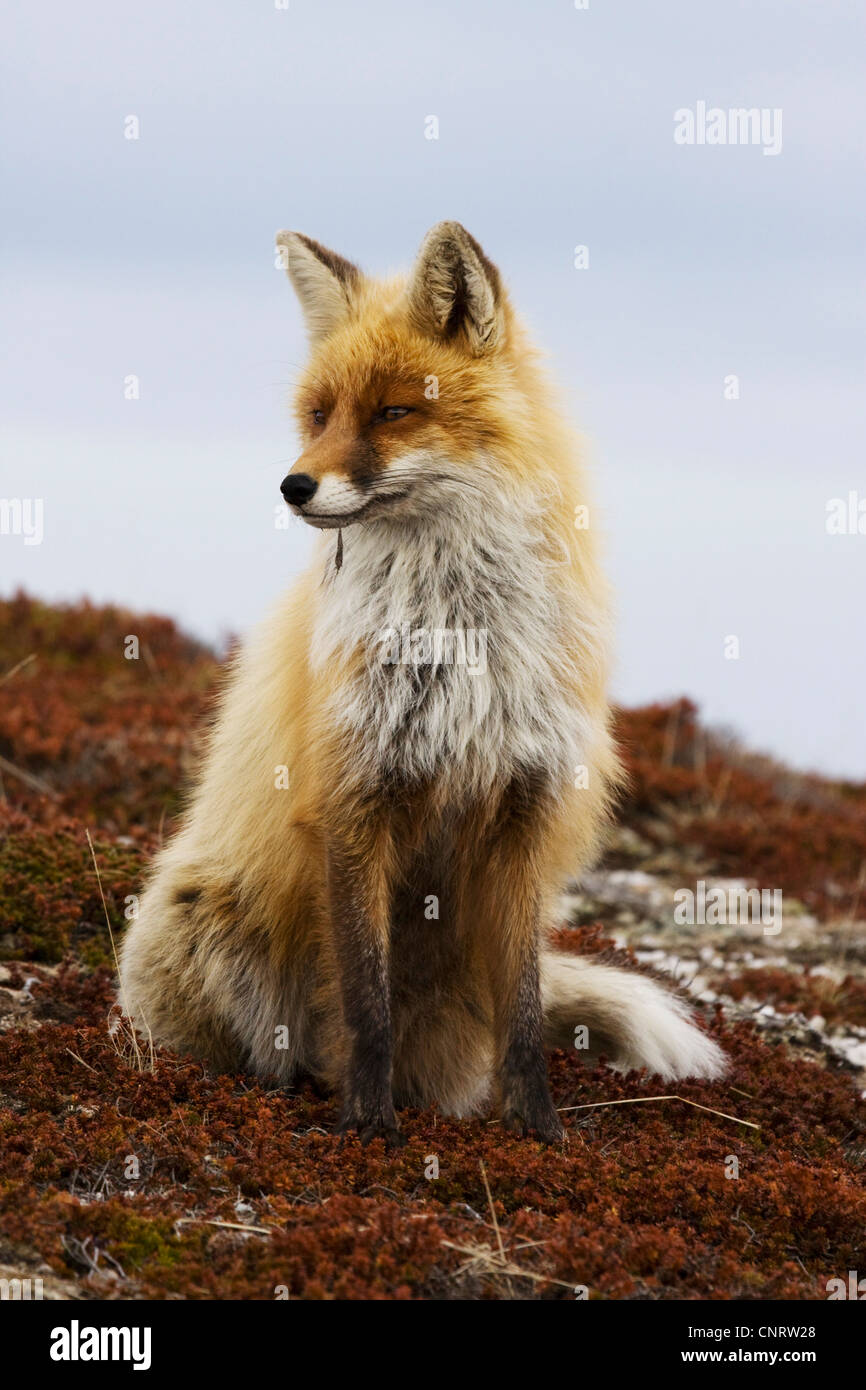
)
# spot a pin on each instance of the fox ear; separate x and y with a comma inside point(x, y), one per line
point(323, 281)
point(454, 288)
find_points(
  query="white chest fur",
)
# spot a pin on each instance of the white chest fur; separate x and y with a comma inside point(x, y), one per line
point(469, 648)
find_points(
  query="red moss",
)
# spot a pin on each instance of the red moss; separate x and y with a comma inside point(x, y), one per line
point(748, 816)
point(111, 739)
point(638, 1204)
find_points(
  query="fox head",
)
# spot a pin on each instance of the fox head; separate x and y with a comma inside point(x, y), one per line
point(414, 384)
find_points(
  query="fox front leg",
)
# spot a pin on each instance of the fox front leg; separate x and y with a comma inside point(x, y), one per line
point(359, 907)
point(510, 915)
point(527, 1106)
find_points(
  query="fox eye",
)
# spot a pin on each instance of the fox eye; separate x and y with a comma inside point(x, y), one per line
point(394, 412)
point(318, 417)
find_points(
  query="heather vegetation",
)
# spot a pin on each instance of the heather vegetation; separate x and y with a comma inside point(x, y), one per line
point(129, 1174)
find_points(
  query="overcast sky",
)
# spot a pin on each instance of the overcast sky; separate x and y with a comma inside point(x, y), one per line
point(153, 257)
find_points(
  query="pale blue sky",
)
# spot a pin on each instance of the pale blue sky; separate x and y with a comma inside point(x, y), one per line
point(154, 257)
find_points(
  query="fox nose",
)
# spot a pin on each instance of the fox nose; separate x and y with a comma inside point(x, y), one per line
point(298, 488)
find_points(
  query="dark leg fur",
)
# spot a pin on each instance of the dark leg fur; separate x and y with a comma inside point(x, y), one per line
point(509, 899)
point(360, 926)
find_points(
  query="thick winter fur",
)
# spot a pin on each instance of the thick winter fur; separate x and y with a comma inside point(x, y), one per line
point(377, 915)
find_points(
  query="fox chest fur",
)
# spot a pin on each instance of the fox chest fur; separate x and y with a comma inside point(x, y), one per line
point(465, 651)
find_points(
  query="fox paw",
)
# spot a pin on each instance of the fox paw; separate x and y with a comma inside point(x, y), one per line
point(393, 1136)
point(369, 1129)
point(538, 1122)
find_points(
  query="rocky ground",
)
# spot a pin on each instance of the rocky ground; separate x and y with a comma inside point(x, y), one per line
point(126, 1175)
point(814, 971)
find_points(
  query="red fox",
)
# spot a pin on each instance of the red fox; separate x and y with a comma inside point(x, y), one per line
point(413, 754)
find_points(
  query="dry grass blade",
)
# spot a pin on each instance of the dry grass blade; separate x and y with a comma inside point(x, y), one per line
point(484, 1260)
point(150, 661)
point(29, 779)
point(227, 1225)
point(82, 1061)
point(19, 666)
point(645, 1100)
point(492, 1210)
point(131, 1033)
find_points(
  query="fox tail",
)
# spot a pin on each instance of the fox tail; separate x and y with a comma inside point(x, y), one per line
point(631, 1019)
